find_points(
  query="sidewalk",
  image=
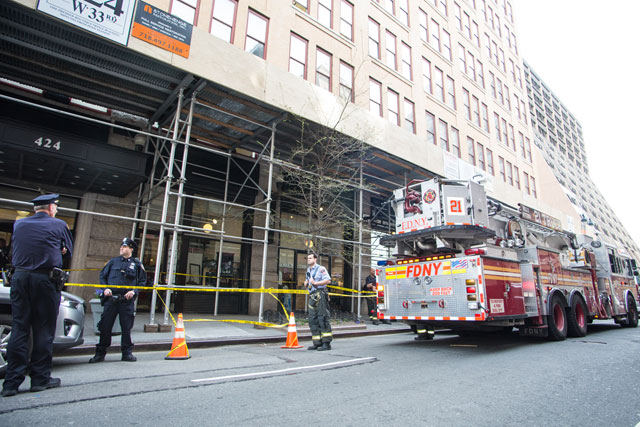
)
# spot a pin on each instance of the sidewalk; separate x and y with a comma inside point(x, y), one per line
point(212, 334)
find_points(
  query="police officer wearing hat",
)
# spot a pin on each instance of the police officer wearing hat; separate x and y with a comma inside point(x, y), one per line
point(38, 243)
point(127, 271)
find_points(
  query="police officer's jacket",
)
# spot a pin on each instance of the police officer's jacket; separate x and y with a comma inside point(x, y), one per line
point(37, 242)
point(121, 271)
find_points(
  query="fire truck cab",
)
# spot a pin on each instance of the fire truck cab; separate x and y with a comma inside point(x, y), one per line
point(471, 264)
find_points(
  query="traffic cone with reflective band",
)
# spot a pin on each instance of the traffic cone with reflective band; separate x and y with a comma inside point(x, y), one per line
point(179, 350)
point(292, 334)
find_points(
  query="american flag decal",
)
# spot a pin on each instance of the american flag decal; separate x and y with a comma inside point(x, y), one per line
point(459, 266)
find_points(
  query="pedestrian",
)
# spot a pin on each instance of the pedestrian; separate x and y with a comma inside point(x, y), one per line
point(38, 242)
point(4, 254)
point(128, 272)
point(319, 319)
point(370, 286)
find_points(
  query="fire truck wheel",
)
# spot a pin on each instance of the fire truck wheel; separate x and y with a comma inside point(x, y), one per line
point(577, 318)
point(557, 319)
point(632, 315)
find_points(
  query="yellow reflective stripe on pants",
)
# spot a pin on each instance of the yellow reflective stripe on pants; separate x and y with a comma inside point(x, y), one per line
point(326, 334)
point(315, 337)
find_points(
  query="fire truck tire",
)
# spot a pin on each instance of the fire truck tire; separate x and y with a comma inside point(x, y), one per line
point(577, 318)
point(557, 319)
point(632, 315)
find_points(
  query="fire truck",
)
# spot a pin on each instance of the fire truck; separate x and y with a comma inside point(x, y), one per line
point(469, 263)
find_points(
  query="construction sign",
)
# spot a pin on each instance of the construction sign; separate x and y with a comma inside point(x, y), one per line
point(162, 29)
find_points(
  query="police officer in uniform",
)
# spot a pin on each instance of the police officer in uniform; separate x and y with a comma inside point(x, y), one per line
point(124, 270)
point(319, 319)
point(38, 243)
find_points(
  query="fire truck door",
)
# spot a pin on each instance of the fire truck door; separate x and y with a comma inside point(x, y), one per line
point(503, 284)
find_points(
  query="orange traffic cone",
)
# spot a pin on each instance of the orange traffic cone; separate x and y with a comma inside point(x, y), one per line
point(292, 334)
point(179, 350)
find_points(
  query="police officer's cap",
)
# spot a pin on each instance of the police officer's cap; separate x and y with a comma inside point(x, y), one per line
point(129, 242)
point(45, 199)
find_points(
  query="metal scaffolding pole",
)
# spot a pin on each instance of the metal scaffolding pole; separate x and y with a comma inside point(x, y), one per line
point(165, 205)
point(178, 213)
point(360, 240)
point(224, 217)
point(266, 222)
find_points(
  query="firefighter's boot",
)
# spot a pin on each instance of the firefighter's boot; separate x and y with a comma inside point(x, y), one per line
point(314, 347)
point(425, 335)
point(325, 346)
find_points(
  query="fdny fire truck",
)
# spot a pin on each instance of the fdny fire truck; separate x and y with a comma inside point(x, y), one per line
point(469, 263)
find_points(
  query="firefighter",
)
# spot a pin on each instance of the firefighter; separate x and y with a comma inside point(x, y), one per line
point(370, 286)
point(424, 333)
point(319, 321)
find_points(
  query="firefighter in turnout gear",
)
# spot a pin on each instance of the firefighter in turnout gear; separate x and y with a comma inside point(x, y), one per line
point(319, 320)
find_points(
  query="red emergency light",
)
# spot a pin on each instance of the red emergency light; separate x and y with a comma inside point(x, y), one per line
point(475, 251)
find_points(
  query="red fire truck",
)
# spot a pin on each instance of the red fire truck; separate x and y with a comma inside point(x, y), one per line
point(472, 264)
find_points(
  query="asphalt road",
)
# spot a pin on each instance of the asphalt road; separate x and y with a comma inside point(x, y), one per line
point(375, 380)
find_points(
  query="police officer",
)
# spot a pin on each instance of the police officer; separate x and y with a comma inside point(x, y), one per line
point(319, 321)
point(38, 243)
point(124, 270)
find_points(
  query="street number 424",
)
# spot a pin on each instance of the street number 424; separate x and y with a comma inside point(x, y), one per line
point(48, 143)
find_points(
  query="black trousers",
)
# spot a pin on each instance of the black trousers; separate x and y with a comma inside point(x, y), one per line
point(113, 308)
point(319, 317)
point(34, 307)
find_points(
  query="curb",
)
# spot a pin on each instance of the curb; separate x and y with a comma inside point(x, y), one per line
point(85, 349)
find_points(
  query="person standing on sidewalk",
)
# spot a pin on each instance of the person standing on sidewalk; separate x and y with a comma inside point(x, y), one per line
point(370, 286)
point(123, 270)
point(319, 318)
point(39, 243)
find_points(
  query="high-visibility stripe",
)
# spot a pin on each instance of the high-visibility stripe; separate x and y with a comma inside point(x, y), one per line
point(466, 319)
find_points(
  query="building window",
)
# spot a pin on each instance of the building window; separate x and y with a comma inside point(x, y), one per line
point(533, 188)
point(446, 44)
point(480, 69)
point(441, 5)
point(431, 128)
point(457, 12)
point(325, 13)
point(391, 51)
point(516, 176)
point(475, 109)
point(303, 5)
point(409, 116)
point(496, 124)
point(455, 142)
point(490, 161)
point(505, 132)
point(521, 141)
point(323, 69)
point(467, 103)
point(346, 81)
point(223, 19)
point(471, 66)
point(389, 6)
point(426, 75)
point(298, 56)
point(528, 145)
point(406, 61)
point(435, 35)
point(403, 11)
point(346, 19)
point(471, 151)
point(481, 162)
point(462, 56)
point(444, 135)
point(501, 168)
point(375, 97)
point(485, 117)
point(451, 93)
point(187, 10)
point(393, 107)
point(374, 39)
point(526, 182)
point(257, 28)
point(424, 31)
point(512, 138)
point(439, 84)
point(510, 173)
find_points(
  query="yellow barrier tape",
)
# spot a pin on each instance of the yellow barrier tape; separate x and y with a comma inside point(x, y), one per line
point(182, 344)
point(265, 324)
